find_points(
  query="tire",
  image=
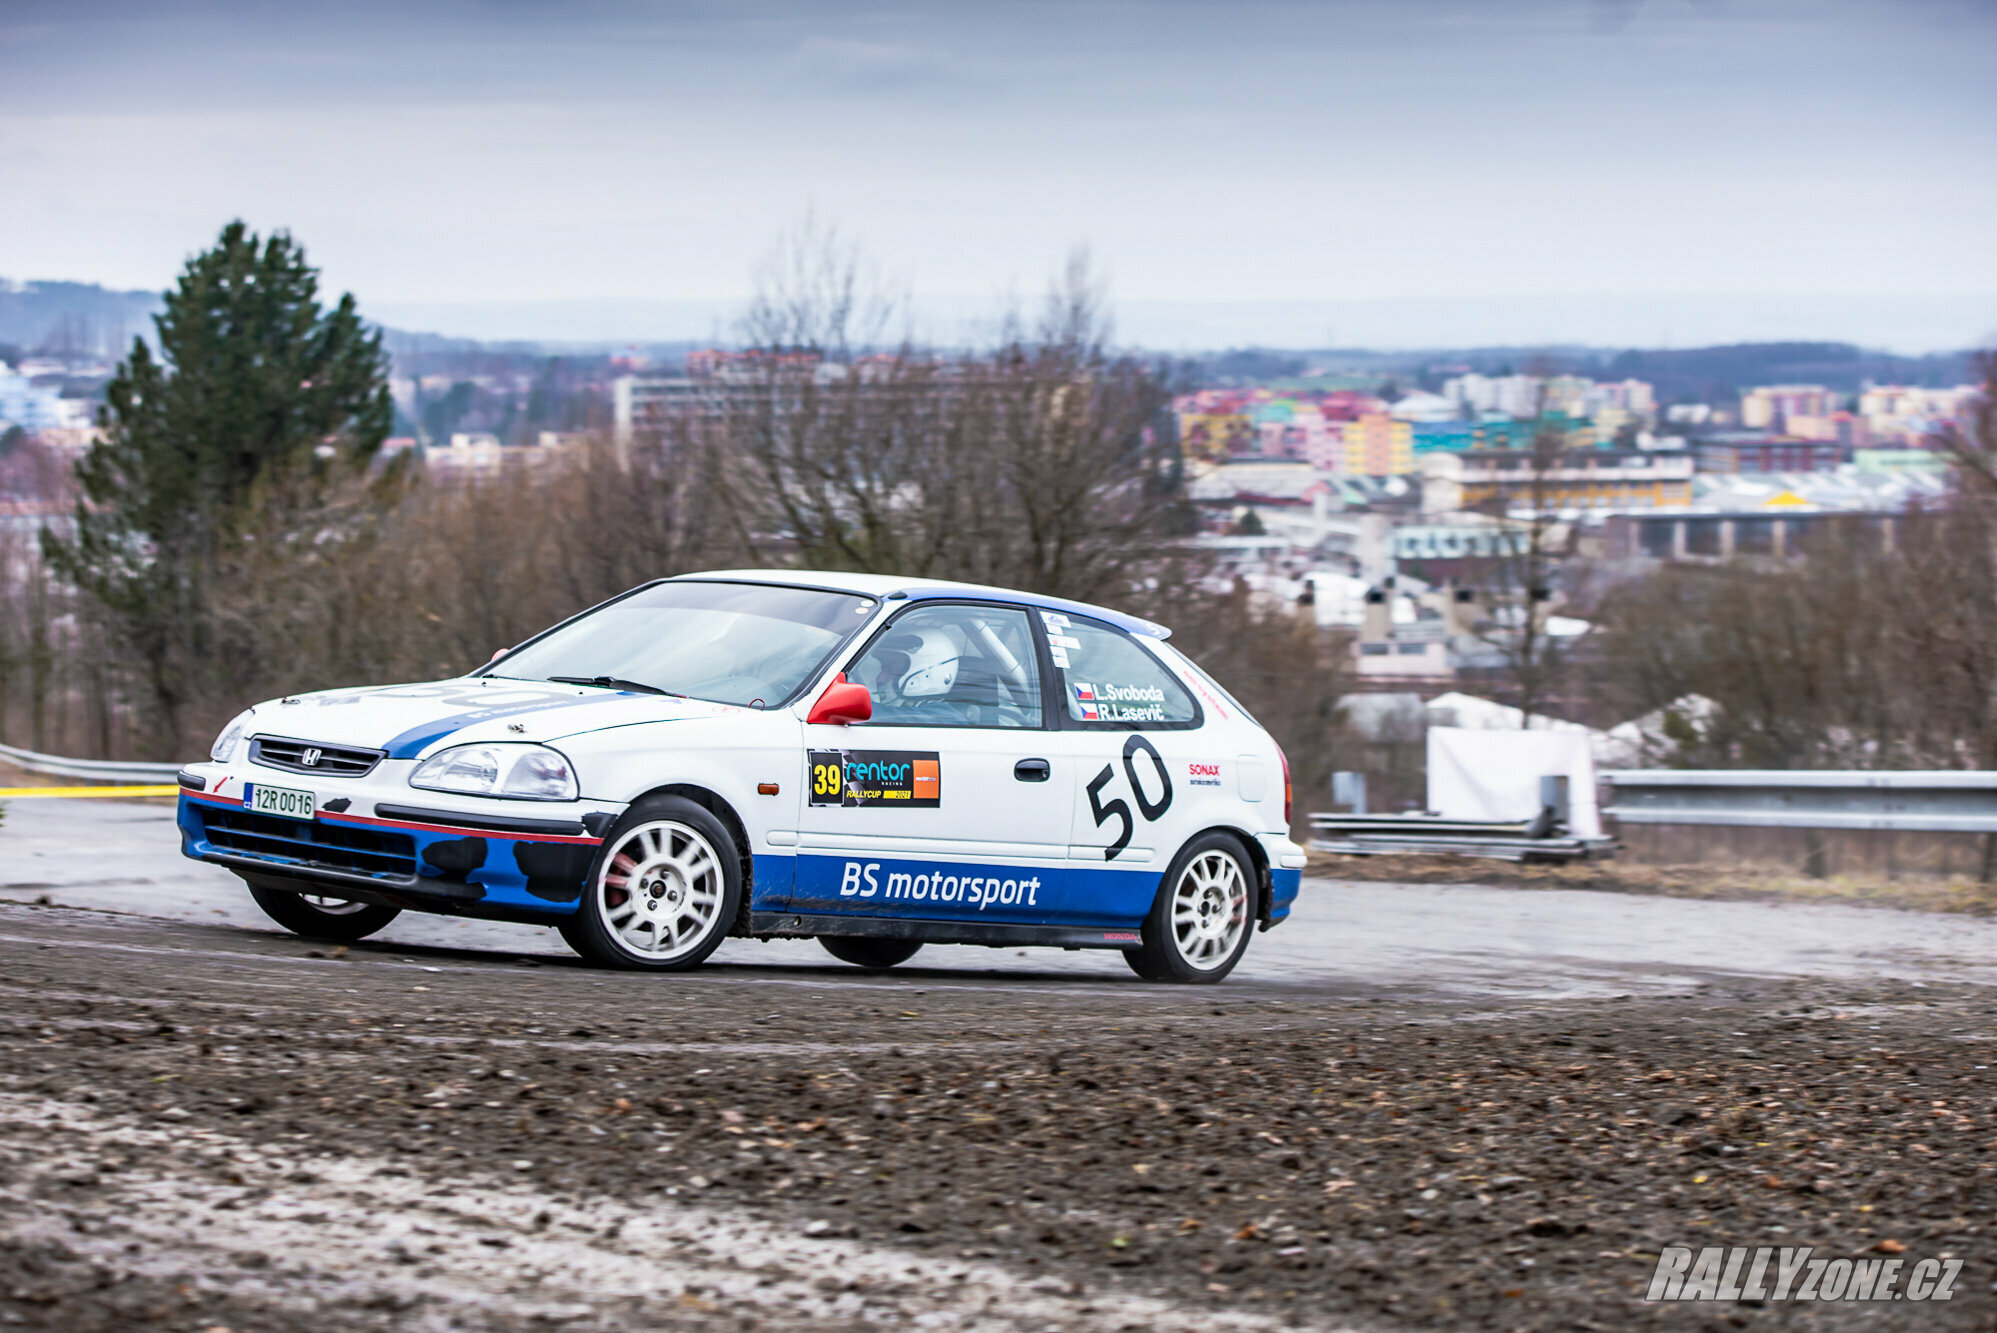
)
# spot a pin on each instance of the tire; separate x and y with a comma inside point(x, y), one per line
point(1204, 913)
point(680, 866)
point(322, 918)
point(874, 955)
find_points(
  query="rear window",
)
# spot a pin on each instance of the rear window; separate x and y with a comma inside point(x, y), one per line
point(1107, 679)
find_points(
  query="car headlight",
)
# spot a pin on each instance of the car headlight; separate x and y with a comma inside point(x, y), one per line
point(225, 744)
point(523, 772)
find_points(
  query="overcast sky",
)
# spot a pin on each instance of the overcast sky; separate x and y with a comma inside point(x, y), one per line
point(473, 162)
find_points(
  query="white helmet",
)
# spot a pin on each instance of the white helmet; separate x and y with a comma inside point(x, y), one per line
point(931, 656)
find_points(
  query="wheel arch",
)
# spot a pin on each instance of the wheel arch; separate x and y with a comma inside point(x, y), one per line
point(1258, 860)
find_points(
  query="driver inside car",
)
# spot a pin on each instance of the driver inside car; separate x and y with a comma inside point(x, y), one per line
point(914, 673)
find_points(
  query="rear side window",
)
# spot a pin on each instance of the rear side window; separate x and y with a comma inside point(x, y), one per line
point(1107, 679)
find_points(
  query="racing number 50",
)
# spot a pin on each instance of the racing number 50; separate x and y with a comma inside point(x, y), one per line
point(1151, 810)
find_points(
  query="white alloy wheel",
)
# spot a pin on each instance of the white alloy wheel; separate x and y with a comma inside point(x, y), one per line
point(660, 891)
point(333, 906)
point(1209, 910)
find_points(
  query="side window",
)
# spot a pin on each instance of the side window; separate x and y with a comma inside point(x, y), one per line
point(953, 666)
point(1107, 678)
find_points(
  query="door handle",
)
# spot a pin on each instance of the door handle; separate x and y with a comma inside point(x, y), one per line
point(1032, 770)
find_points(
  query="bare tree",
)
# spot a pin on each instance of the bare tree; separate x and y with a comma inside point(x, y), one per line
point(1043, 461)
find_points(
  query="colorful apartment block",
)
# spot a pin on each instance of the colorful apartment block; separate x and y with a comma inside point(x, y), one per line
point(1616, 479)
point(1455, 436)
point(1216, 435)
point(1770, 406)
point(1218, 424)
point(1377, 445)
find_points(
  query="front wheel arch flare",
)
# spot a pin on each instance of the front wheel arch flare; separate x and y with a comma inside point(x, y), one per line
point(714, 804)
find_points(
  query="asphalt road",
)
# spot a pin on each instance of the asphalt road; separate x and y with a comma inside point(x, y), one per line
point(1444, 940)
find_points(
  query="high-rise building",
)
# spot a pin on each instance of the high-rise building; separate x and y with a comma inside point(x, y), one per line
point(1770, 406)
point(1376, 445)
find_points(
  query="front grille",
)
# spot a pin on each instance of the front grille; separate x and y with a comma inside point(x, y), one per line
point(358, 851)
point(332, 761)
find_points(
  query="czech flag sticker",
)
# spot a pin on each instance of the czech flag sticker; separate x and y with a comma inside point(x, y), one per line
point(1085, 701)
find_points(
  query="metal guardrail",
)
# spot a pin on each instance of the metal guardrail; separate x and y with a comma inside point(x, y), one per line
point(1929, 800)
point(97, 770)
point(1430, 835)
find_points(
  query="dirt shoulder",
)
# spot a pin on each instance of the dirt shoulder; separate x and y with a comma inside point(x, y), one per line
point(1740, 883)
point(1262, 1154)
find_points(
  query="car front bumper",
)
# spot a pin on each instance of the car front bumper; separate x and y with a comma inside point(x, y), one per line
point(376, 839)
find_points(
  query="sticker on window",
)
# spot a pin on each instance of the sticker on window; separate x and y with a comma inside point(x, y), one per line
point(876, 777)
point(1122, 703)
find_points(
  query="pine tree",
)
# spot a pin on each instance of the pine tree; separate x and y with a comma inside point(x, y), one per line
point(255, 384)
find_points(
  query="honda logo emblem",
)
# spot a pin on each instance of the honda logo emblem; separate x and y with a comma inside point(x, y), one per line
point(311, 757)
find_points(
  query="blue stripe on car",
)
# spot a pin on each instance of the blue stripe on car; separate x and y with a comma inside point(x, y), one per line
point(415, 740)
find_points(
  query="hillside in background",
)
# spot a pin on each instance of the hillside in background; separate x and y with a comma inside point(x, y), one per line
point(70, 319)
point(1679, 374)
point(82, 319)
point(1697, 372)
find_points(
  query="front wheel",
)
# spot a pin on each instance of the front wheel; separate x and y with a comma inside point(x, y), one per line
point(874, 955)
point(321, 918)
point(1205, 911)
point(663, 892)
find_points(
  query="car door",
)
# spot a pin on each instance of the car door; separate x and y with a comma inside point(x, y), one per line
point(950, 804)
point(1145, 780)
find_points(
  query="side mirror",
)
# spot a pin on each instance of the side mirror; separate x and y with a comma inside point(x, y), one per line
point(842, 702)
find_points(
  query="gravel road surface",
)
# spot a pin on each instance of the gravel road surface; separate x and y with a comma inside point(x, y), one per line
point(1427, 939)
point(1415, 1108)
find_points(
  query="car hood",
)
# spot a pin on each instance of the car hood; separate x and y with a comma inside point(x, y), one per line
point(410, 721)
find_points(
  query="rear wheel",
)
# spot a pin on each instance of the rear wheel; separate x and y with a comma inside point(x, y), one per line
point(1205, 911)
point(664, 890)
point(321, 918)
point(875, 955)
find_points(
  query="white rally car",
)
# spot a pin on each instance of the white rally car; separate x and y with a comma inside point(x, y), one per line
point(877, 762)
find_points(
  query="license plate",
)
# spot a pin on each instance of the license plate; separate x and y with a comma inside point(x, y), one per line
point(285, 801)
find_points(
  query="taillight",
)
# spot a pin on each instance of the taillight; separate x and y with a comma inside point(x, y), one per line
point(1286, 785)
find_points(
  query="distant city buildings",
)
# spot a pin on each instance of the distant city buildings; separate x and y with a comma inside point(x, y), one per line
point(1771, 406)
point(1581, 480)
point(1391, 515)
point(32, 409)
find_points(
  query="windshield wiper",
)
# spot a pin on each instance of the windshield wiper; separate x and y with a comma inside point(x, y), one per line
point(613, 683)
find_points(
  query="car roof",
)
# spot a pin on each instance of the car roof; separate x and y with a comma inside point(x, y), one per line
point(891, 586)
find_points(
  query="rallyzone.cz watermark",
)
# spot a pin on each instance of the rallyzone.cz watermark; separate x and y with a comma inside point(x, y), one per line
point(1791, 1273)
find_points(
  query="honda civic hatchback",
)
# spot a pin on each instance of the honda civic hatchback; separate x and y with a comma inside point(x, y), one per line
point(876, 762)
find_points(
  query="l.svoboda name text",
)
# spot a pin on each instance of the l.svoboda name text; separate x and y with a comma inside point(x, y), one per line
point(1131, 703)
point(862, 880)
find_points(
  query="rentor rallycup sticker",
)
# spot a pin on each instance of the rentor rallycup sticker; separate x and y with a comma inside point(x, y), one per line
point(876, 777)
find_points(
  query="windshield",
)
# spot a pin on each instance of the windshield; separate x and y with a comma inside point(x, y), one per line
point(733, 643)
